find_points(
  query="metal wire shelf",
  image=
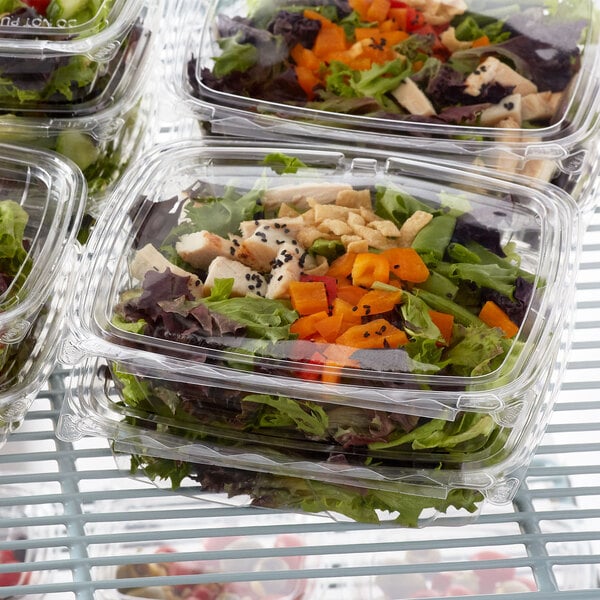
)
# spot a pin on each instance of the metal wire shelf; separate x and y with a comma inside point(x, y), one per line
point(77, 508)
point(80, 516)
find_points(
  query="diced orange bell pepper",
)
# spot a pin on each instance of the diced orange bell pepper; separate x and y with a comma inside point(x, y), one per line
point(341, 267)
point(368, 268)
point(484, 40)
point(307, 80)
point(406, 264)
point(304, 57)
point(348, 311)
point(378, 333)
point(378, 10)
point(329, 328)
point(444, 322)
point(375, 302)
point(330, 40)
point(361, 7)
point(308, 297)
point(491, 314)
point(305, 327)
point(351, 293)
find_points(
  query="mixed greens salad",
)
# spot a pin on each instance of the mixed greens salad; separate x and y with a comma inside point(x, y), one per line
point(330, 281)
point(15, 266)
point(362, 504)
point(333, 284)
point(61, 81)
point(428, 61)
point(241, 590)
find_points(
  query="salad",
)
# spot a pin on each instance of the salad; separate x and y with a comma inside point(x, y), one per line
point(434, 62)
point(329, 282)
point(241, 590)
point(15, 266)
point(51, 13)
point(68, 79)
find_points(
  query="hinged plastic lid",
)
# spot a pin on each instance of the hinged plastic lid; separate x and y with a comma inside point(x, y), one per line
point(465, 74)
point(189, 223)
point(41, 202)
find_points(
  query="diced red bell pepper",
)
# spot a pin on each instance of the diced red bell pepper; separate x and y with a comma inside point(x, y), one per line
point(39, 5)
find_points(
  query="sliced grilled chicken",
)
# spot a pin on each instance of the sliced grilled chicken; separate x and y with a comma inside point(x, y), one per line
point(201, 247)
point(287, 267)
point(492, 70)
point(246, 281)
point(259, 249)
point(149, 258)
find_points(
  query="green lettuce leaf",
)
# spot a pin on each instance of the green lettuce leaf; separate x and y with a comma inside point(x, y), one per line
point(396, 205)
point(417, 321)
point(79, 72)
point(234, 56)
point(372, 83)
point(263, 318)
point(221, 215)
point(361, 504)
point(14, 260)
point(282, 163)
point(475, 353)
point(281, 411)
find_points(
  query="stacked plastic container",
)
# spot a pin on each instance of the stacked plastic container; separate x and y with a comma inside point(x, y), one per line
point(505, 87)
point(72, 76)
point(375, 413)
point(41, 203)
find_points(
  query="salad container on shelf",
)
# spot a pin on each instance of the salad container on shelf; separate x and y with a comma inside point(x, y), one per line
point(102, 145)
point(319, 308)
point(41, 204)
point(337, 461)
point(169, 557)
point(66, 59)
point(509, 86)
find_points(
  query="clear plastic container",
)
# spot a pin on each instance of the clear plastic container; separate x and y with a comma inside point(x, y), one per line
point(257, 94)
point(288, 411)
point(39, 22)
point(43, 202)
point(537, 227)
point(28, 363)
point(177, 554)
point(55, 72)
point(348, 478)
point(102, 146)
